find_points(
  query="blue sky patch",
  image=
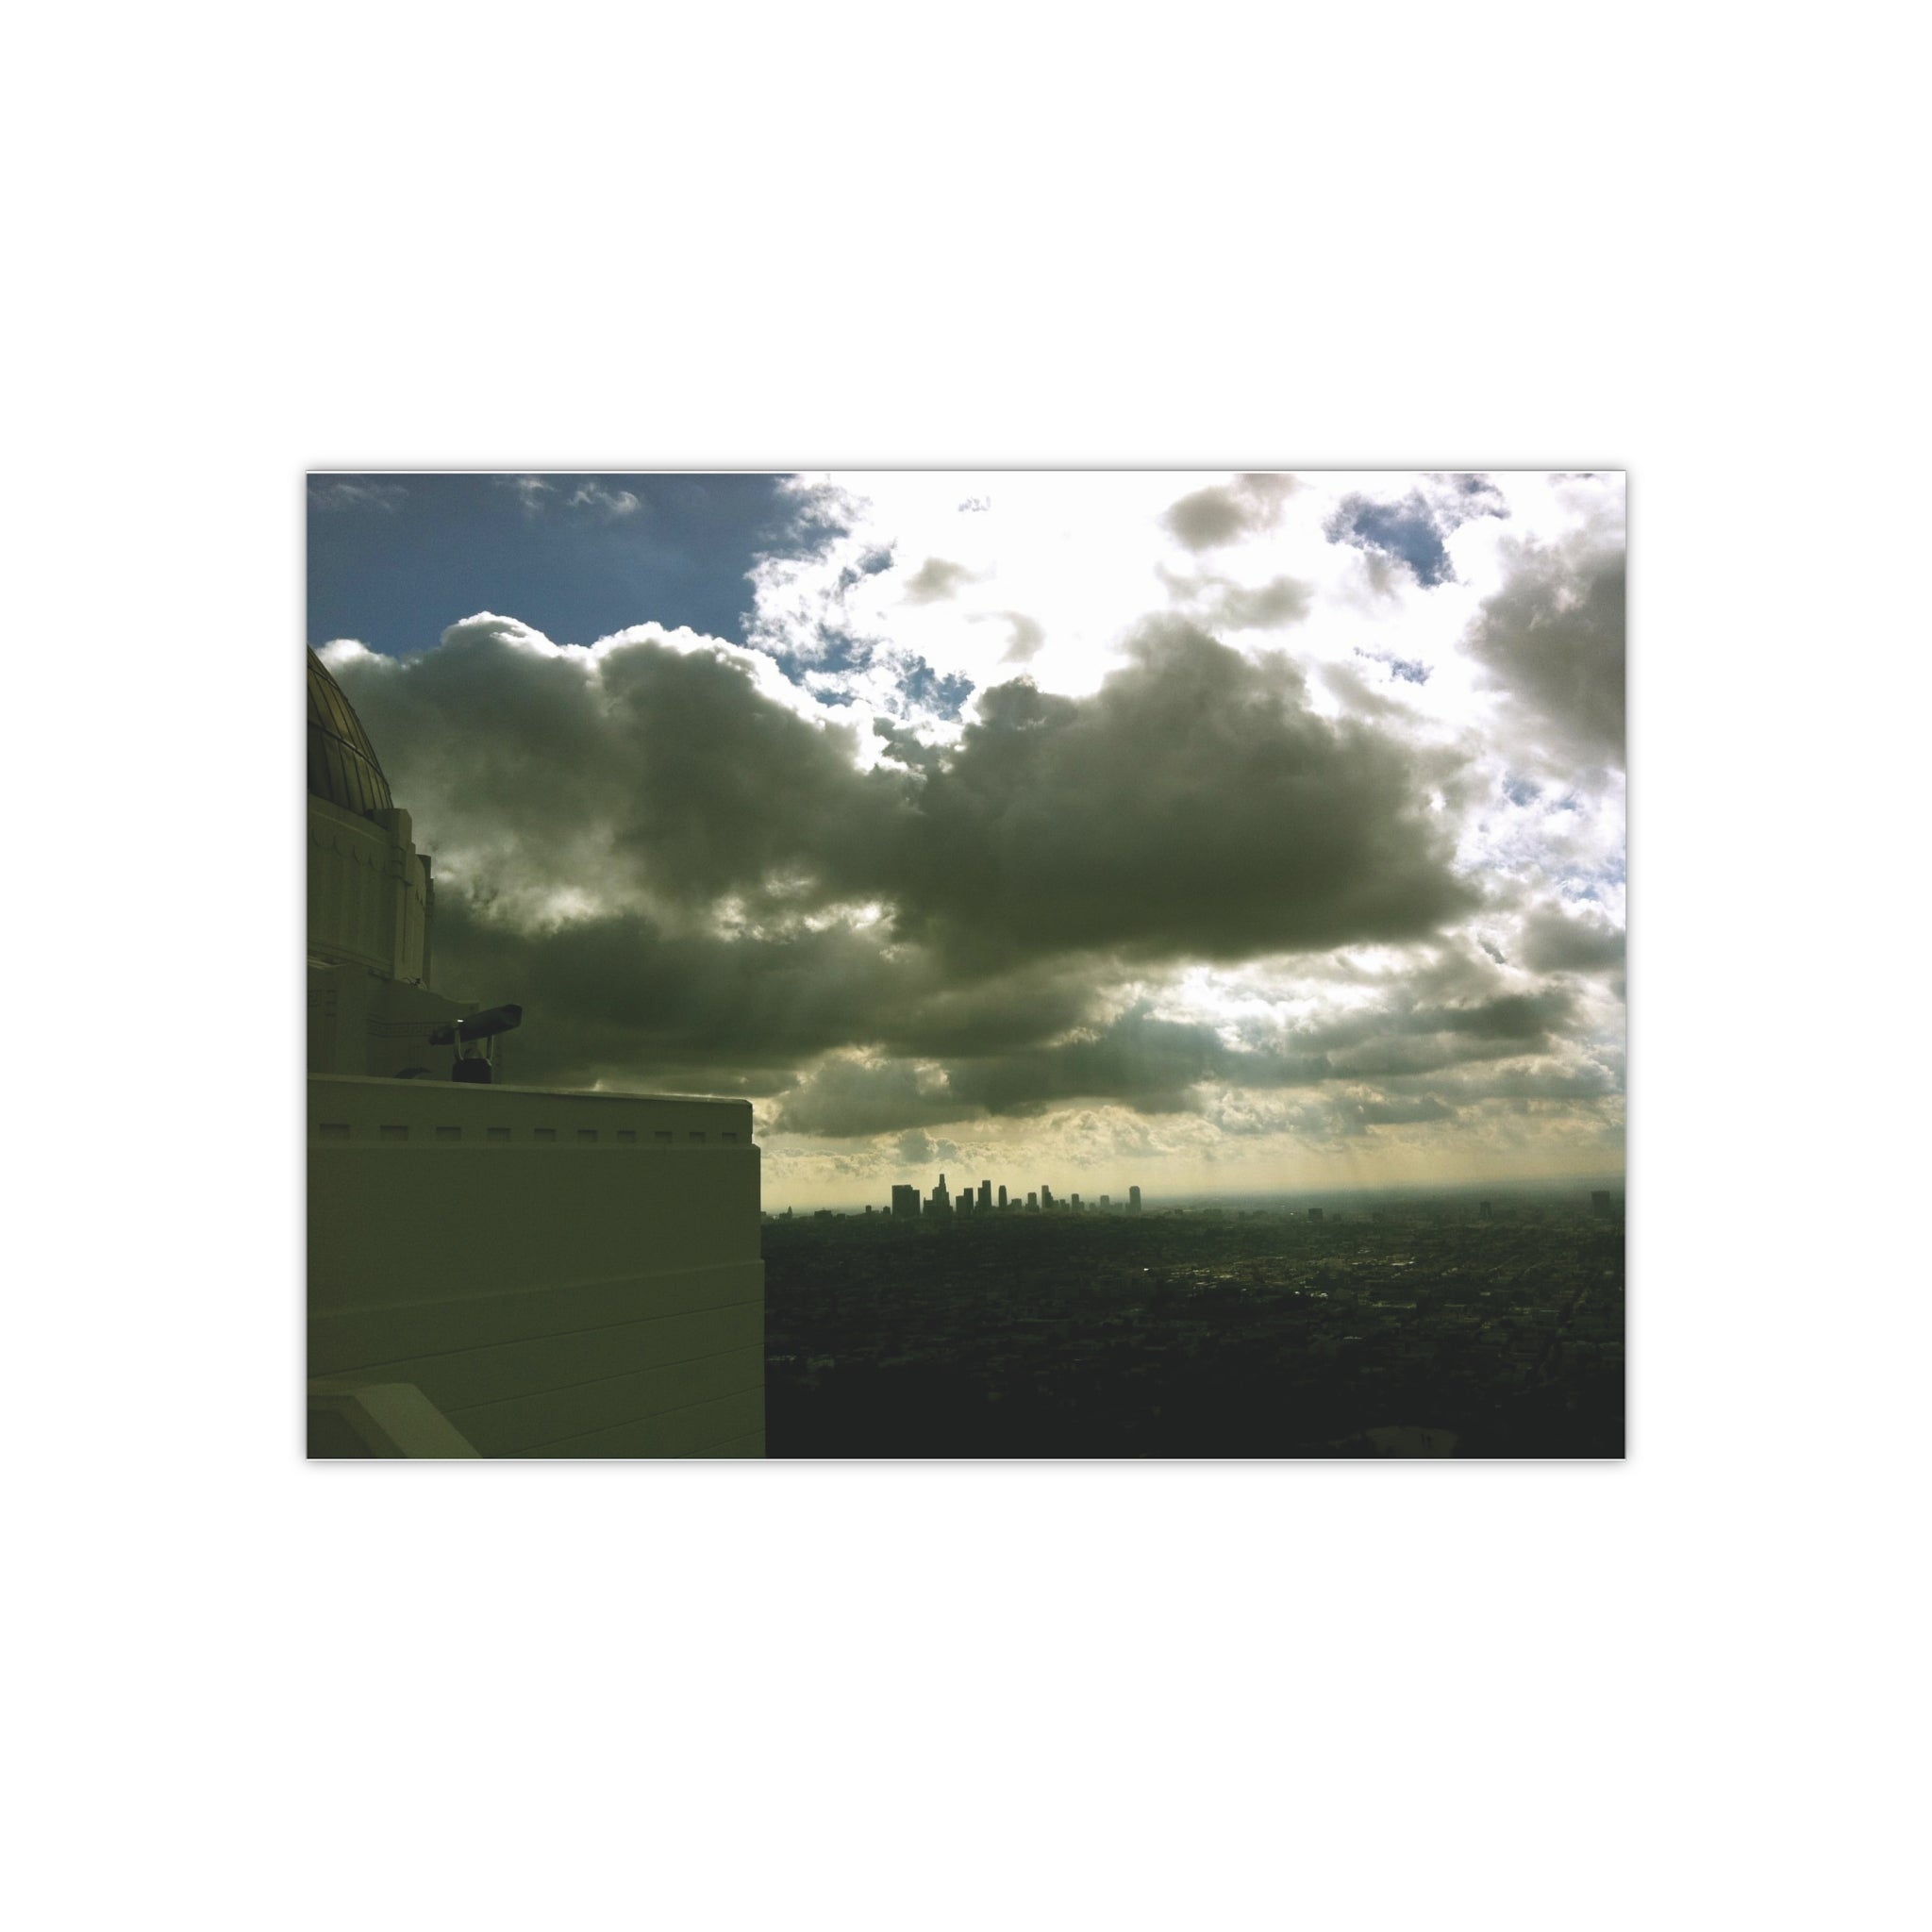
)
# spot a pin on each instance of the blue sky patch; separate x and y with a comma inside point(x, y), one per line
point(925, 686)
point(394, 559)
point(1405, 531)
point(1412, 531)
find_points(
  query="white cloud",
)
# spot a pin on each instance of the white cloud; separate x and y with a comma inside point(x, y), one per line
point(611, 504)
point(529, 491)
point(356, 492)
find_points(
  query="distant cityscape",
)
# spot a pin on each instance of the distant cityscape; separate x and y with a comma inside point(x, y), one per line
point(1477, 1323)
point(909, 1204)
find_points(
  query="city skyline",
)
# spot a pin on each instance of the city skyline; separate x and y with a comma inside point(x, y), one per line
point(1253, 832)
point(907, 1203)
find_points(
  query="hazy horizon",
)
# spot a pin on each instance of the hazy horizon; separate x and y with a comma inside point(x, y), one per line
point(1578, 1185)
point(1222, 835)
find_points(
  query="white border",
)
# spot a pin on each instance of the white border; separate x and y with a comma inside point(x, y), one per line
point(263, 1693)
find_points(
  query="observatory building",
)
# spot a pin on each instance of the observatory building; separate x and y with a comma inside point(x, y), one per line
point(494, 1269)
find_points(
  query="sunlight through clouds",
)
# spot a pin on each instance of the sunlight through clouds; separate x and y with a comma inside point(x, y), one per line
point(1262, 829)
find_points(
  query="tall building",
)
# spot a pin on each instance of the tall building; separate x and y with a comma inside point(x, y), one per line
point(905, 1203)
point(1032, 1204)
point(941, 1199)
point(1003, 1197)
point(985, 1195)
point(497, 1270)
point(1133, 1200)
point(1045, 1198)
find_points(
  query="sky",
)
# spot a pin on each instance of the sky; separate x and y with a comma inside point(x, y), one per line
point(1208, 833)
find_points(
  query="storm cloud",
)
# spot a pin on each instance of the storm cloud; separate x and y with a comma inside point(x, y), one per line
point(1552, 641)
point(697, 882)
point(1195, 805)
point(654, 770)
point(1558, 943)
point(1155, 1065)
point(1192, 807)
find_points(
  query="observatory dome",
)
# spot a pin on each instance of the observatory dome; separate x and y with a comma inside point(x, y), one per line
point(343, 765)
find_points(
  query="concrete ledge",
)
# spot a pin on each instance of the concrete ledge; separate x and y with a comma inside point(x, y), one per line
point(385, 1418)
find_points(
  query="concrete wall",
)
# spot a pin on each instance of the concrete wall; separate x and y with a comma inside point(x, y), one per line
point(562, 1274)
point(370, 898)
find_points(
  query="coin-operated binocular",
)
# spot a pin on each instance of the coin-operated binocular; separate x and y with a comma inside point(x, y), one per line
point(474, 1040)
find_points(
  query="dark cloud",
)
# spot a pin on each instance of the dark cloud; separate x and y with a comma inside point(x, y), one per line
point(1395, 1058)
point(1220, 604)
point(1154, 1066)
point(935, 580)
point(1136, 1061)
point(1346, 683)
point(1028, 636)
point(1407, 1034)
point(1551, 638)
point(1515, 1016)
point(1192, 807)
point(892, 1042)
point(1404, 1113)
point(1556, 942)
point(619, 991)
point(664, 774)
point(1145, 1063)
point(1265, 607)
point(848, 1098)
point(665, 863)
point(1207, 519)
point(1533, 1078)
point(616, 994)
point(938, 1012)
point(905, 745)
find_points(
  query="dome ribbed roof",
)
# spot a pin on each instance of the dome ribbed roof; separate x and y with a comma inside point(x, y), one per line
point(343, 765)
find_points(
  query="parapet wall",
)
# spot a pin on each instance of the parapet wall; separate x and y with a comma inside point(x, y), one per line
point(561, 1274)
